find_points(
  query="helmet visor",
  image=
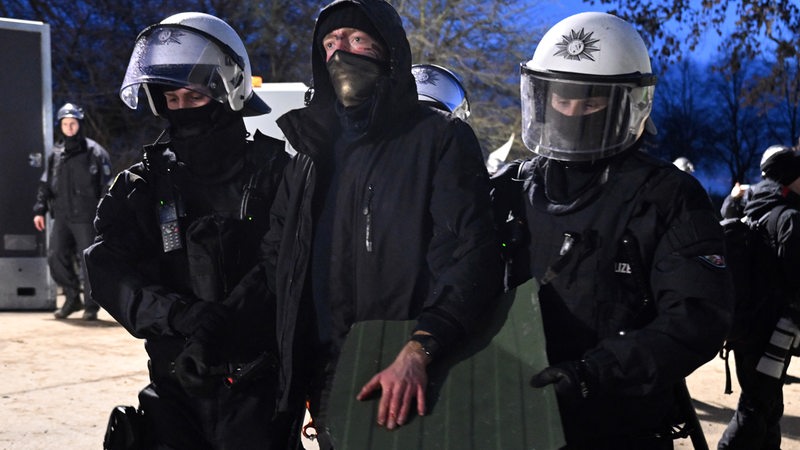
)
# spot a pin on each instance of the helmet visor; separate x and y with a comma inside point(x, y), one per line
point(572, 120)
point(179, 57)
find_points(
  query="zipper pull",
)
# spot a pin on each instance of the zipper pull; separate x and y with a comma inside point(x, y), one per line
point(368, 218)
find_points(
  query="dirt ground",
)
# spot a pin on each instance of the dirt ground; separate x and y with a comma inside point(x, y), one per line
point(61, 378)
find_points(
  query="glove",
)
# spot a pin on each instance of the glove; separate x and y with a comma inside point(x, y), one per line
point(196, 371)
point(201, 320)
point(572, 380)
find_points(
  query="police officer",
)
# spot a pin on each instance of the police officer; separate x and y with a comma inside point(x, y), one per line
point(763, 351)
point(684, 164)
point(177, 233)
point(442, 89)
point(77, 174)
point(634, 295)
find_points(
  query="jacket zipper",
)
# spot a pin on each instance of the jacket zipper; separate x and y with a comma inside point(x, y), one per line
point(367, 211)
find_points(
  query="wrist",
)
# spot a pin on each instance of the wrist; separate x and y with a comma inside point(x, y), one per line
point(425, 344)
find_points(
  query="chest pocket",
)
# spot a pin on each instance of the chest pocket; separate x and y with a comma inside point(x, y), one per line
point(585, 256)
point(215, 255)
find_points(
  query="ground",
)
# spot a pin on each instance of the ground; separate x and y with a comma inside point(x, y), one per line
point(61, 378)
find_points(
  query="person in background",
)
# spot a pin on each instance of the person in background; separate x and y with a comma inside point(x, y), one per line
point(383, 215)
point(763, 354)
point(441, 89)
point(733, 204)
point(684, 164)
point(625, 247)
point(77, 175)
point(177, 234)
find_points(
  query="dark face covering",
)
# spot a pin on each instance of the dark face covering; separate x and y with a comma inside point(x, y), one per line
point(208, 139)
point(585, 132)
point(354, 77)
point(76, 143)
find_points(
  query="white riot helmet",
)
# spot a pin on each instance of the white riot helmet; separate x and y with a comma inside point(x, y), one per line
point(196, 51)
point(684, 164)
point(69, 110)
point(442, 89)
point(588, 90)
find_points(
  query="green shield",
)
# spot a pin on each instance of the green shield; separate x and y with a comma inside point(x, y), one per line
point(478, 396)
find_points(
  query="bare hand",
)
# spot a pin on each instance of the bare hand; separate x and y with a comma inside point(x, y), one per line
point(739, 190)
point(38, 222)
point(399, 384)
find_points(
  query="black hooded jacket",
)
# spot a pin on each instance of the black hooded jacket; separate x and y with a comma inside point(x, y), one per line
point(764, 197)
point(413, 236)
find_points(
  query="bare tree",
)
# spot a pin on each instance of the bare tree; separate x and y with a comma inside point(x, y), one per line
point(776, 20)
point(681, 113)
point(777, 97)
point(740, 129)
point(484, 43)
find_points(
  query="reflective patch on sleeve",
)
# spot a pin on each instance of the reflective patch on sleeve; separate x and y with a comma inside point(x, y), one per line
point(716, 261)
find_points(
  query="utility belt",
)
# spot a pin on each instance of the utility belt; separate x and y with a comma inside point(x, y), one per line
point(233, 375)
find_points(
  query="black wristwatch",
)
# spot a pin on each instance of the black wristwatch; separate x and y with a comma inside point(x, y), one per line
point(429, 344)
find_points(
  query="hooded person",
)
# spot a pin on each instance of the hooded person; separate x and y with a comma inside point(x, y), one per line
point(178, 233)
point(773, 210)
point(76, 176)
point(383, 214)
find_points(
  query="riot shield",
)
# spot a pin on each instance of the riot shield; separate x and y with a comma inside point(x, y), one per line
point(478, 396)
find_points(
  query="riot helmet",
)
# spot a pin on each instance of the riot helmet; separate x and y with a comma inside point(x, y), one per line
point(441, 88)
point(684, 164)
point(69, 110)
point(588, 90)
point(781, 164)
point(196, 51)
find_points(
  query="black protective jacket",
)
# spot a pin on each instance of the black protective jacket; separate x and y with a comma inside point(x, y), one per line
point(413, 238)
point(138, 283)
point(73, 182)
point(784, 291)
point(642, 294)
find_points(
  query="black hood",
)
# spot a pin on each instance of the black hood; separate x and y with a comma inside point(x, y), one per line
point(766, 195)
point(401, 92)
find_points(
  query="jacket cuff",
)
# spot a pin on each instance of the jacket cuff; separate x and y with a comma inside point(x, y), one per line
point(446, 330)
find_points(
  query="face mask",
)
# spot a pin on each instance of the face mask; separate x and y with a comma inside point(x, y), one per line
point(584, 132)
point(74, 143)
point(190, 122)
point(354, 77)
point(206, 138)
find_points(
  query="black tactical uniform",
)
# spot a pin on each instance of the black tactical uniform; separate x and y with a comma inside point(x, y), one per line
point(141, 276)
point(77, 175)
point(632, 289)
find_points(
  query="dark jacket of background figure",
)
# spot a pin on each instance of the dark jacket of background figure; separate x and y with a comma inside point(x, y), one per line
point(73, 183)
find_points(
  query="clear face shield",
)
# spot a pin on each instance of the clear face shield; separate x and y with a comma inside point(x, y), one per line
point(571, 120)
point(175, 56)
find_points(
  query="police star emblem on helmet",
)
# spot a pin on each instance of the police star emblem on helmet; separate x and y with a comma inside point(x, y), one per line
point(169, 37)
point(577, 46)
point(424, 75)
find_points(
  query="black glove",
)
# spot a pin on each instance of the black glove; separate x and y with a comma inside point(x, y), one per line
point(202, 320)
point(196, 369)
point(572, 380)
